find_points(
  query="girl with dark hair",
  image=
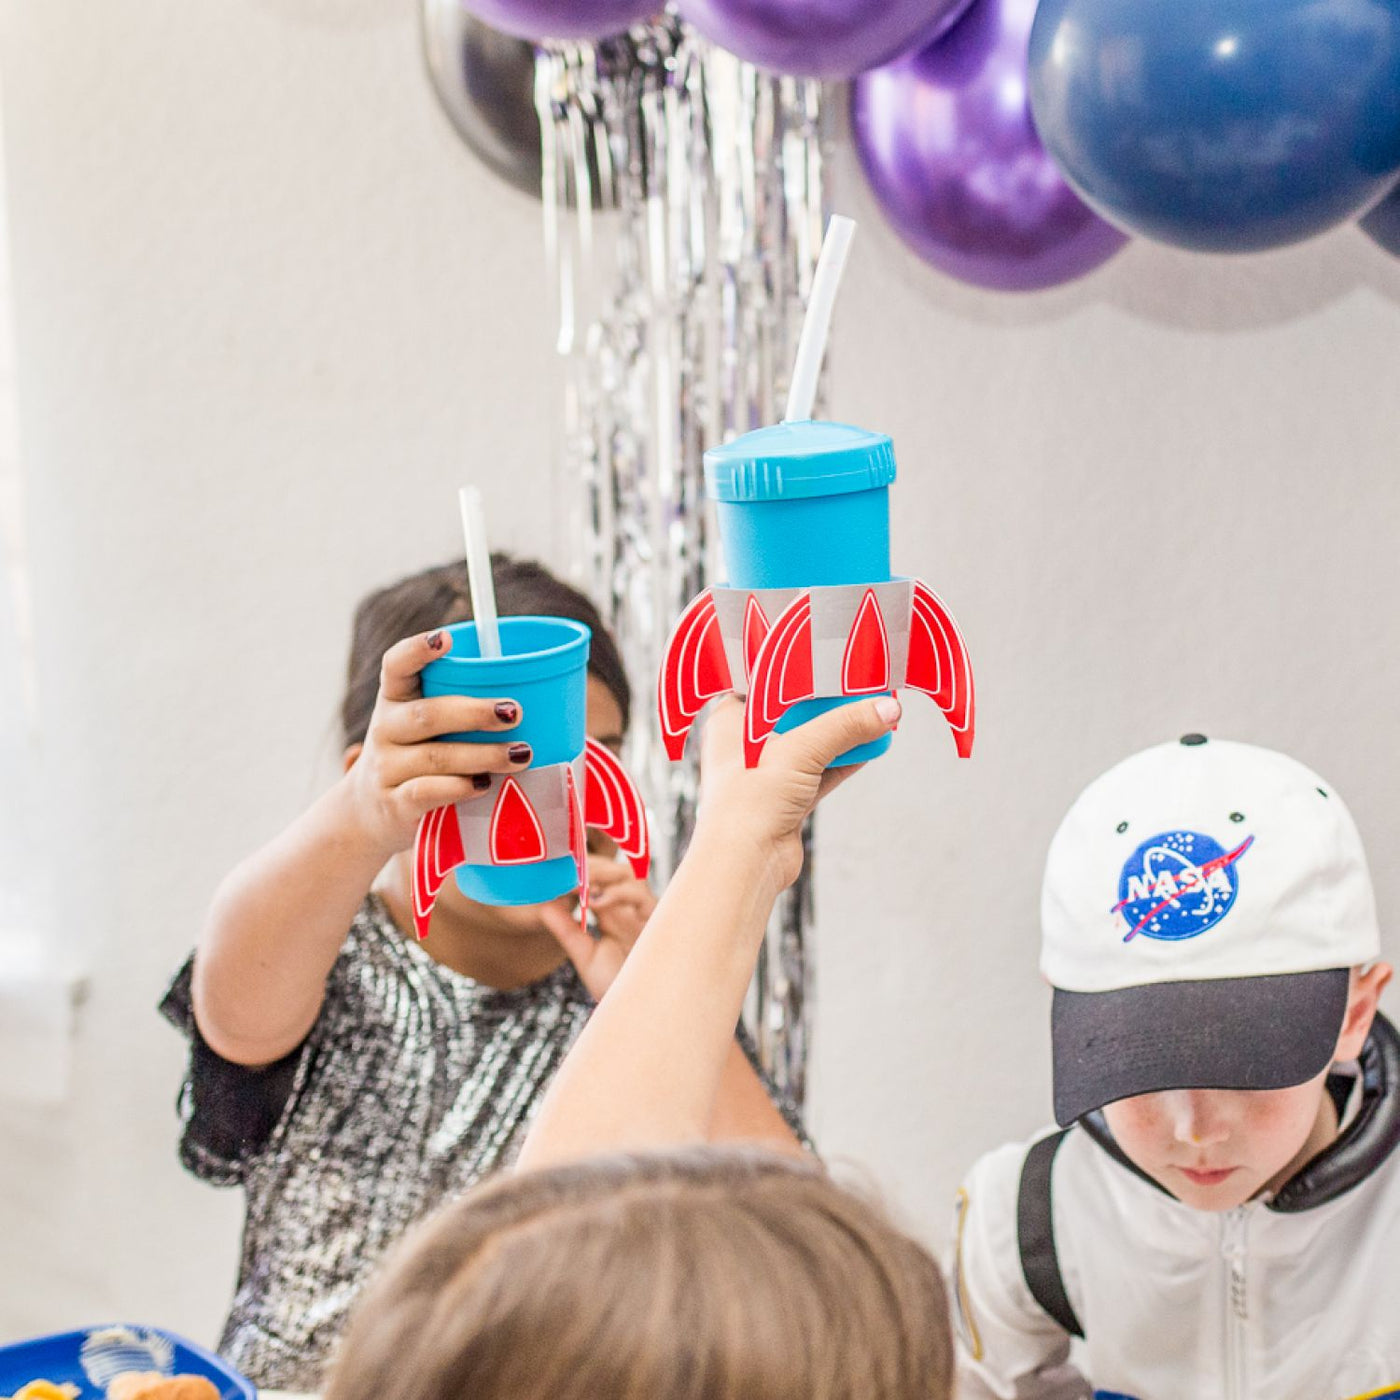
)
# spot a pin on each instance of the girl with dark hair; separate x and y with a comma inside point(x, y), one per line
point(348, 1077)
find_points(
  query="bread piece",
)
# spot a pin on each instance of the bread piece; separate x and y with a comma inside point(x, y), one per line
point(151, 1385)
point(129, 1383)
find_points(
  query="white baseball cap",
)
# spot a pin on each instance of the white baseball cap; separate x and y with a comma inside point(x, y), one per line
point(1203, 904)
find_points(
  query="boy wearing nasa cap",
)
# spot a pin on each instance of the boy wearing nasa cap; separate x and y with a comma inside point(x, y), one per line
point(1218, 1216)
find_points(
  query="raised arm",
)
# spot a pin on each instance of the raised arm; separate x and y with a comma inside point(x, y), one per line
point(621, 905)
point(650, 1069)
point(279, 918)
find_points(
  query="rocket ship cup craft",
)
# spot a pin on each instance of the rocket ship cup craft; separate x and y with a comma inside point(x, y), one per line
point(524, 841)
point(812, 617)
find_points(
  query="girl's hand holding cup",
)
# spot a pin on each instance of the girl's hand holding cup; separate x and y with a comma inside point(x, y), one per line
point(405, 768)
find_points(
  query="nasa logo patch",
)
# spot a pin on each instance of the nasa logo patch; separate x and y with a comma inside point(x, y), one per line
point(1178, 884)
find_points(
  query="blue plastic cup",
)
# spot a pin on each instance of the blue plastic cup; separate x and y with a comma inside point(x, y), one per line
point(805, 505)
point(544, 669)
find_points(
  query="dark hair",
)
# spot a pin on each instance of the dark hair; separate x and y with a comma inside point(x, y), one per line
point(700, 1274)
point(438, 596)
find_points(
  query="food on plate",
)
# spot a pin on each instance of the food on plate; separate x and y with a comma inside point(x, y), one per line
point(151, 1385)
point(45, 1390)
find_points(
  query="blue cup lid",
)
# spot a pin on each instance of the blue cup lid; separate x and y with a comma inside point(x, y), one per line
point(791, 460)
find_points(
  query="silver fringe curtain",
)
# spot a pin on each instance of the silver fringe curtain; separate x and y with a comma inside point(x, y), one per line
point(684, 207)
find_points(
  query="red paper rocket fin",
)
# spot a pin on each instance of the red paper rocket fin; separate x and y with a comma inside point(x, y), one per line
point(939, 665)
point(782, 675)
point(578, 845)
point(865, 668)
point(517, 838)
point(613, 805)
point(437, 850)
point(755, 630)
point(693, 670)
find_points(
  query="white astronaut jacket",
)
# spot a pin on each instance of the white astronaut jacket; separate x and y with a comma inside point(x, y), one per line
point(1295, 1298)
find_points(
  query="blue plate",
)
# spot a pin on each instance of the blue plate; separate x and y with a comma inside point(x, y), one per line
point(57, 1359)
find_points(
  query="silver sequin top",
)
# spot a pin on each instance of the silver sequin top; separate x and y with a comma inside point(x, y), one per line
point(414, 1083)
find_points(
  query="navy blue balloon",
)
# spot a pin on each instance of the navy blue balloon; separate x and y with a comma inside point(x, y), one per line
point(1383, 223)
point(1221, 125)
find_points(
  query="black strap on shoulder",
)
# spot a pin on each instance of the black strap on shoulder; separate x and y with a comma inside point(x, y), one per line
point(1035, 1231)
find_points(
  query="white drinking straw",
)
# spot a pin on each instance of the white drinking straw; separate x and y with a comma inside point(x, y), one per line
point(802, 393)
point(479, 578)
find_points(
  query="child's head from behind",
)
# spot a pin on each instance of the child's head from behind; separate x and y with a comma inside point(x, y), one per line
point(700, 1275)
point(1209, 929)
point(439, 596)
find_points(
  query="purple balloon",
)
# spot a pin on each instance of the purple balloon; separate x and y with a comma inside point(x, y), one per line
point(821, 38)
point(562, 19)
point(947, 143)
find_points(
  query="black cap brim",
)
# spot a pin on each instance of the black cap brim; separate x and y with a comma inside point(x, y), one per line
point(1230, 1033)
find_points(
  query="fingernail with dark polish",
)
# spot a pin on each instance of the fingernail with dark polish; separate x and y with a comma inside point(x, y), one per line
point(481, 781)
point(435, 641)
point(507, 712)
point(519, 753)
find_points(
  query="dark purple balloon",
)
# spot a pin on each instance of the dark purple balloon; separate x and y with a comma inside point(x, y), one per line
point(946, 139)
point(562, 19)
point(1383, 222)
point(821, 38)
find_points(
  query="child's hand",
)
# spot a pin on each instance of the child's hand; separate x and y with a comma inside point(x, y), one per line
point(620, 904)
point(619, 901)
point(767, 805)
point(403, 769)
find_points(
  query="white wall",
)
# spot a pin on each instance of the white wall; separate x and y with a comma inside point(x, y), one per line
point(269, 312)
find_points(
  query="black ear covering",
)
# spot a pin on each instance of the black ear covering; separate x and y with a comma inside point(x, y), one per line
point(1365, 1142)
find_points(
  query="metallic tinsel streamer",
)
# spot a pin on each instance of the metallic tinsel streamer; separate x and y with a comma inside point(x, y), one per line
point(681, 283)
